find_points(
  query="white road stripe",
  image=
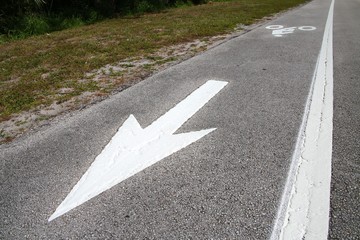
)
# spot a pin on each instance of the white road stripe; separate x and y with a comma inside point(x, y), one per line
point(305, 204)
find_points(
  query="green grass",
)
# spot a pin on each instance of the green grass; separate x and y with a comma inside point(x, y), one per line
point(32, 70)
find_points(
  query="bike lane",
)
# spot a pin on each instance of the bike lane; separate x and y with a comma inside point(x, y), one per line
point(227, 185)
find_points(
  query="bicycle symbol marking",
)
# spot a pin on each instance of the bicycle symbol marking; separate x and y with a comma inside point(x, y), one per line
point(279, 30)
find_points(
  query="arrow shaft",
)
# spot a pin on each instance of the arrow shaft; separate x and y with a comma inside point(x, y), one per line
point(178, 115)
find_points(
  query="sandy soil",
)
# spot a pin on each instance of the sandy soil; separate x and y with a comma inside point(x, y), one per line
point(114, 77)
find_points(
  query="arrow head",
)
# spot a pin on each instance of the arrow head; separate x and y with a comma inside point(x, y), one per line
point(111, 168)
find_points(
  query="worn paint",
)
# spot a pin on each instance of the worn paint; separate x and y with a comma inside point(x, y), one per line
point(279, 30)
point(304, 209)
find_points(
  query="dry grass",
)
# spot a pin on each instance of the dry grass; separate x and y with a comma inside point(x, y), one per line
point(34, 71)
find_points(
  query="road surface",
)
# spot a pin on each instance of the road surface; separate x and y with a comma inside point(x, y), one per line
point(236, 181)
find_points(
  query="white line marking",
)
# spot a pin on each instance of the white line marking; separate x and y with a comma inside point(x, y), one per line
point(307, 28)
point(132, 148)
point(305, 204)
point(283, 31)
point(274, 27)
point(279, 30)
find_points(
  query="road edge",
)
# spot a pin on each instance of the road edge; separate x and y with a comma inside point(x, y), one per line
point(304, 209)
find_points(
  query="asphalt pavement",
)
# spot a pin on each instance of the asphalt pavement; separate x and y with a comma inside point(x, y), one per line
point(345, 193)
point(226, 185)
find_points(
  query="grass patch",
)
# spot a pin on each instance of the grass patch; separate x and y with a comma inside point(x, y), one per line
point(32, 70)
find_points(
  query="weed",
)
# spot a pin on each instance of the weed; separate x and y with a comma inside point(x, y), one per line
point(2, 134)
point(148, 66)
point(34, 24)
point(154, 58)
point(71, 22)
point(19, 123)
point(162, 61)
point(127, 65)
point(4, 137)
point(42, 118)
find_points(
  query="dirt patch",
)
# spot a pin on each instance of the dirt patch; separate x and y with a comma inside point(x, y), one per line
point(110, 79)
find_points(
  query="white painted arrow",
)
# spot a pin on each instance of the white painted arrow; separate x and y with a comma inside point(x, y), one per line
point(283, 31)
point(132, 148)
